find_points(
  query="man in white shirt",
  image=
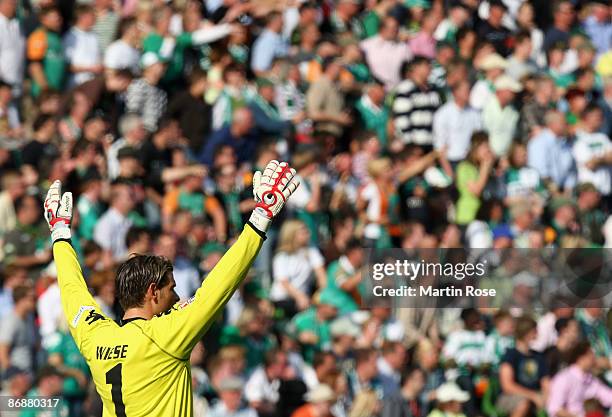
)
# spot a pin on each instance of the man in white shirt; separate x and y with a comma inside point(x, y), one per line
point(454, 123)
point(123, 53)
point(499, 117)
point(593, 151)
point(112, 228)
point(82, 49)
point(261, 390)
point(12, 46)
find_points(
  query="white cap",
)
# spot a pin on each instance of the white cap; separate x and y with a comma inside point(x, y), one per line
point(50, 270)
point(148, 59)
point(505, 82)
point(344, 327)
point(319, 394)
point(450, 391)
point(437, 178)
point(493, 61)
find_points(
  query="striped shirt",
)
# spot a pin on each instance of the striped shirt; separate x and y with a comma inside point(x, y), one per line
point(466, 347)
point(147, 100)
point(413, 112)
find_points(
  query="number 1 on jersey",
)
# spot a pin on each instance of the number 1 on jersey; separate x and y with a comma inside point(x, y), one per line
point(113, 377)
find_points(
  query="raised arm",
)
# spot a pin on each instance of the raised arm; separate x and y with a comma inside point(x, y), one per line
point(178, 330)
point(77, 302)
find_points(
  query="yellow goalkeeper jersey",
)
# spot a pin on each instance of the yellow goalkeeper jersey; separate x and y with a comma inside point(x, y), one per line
point(141, 368)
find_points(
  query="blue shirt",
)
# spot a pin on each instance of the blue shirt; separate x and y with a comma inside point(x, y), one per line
point(269, 45)
point(600, 34)
point(244, 146)
point(552, 158)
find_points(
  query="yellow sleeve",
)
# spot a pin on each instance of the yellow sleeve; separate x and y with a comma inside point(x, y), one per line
point(80, 308)
point(180, 328)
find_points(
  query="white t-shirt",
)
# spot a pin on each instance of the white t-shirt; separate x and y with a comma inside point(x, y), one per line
point(480, 94)
point(259, 388)
point(587, 147)
point(371, 194)
point(119, 55)
point(12, 50)
point(297, 268)
point(82, 50)
point(49, 308)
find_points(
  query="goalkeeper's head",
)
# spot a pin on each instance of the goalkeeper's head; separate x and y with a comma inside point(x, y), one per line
point(146, 283)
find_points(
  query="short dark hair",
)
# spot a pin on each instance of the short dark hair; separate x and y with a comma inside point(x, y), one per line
point(408, 372)
point(523, 326)
point(562, 324)
point(20, 202)
point(320, 357)
point(271, 356)
point(83, 9)
point(590, 108)
point(353, 244)
point(578, 351)
point(134, 234)
point(196, 75)
point(20, 292)
point(44, 11)
point(41, 120)
point(522, 36)
point(363, 355)
point(135, 275)
point(125, 24)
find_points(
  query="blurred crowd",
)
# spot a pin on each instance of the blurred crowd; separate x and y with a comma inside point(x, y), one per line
point(411, 124)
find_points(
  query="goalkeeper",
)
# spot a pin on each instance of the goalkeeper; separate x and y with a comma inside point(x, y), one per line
point(140, 366)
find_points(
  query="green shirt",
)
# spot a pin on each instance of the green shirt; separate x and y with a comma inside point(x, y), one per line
point(53, 61)
point(336, 275)
point(307, 321)
point(371, 24)
point(374, 118)
point(467, 204)
point(59, 410)
point(63, 344)
point(255, 348)
point(89, 213)
point(176, 61)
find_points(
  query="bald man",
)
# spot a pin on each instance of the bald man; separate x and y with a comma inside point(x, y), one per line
point(237, 134)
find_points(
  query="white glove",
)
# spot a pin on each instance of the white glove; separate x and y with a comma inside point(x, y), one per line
point(271, 190)
point(58, 211)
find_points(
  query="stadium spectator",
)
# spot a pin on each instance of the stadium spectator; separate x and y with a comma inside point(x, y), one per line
point(454, 124)
point(297, 268)
point(499, 117)
point(269, 45)
point(550, 153)
point(113, 225)
point(12, 48)
point(144, 97)
point(415, 104)
point(521, 390)
point(571, 387)
point(230, 400)
point(319, 402)
point(47, 66)
point(262, 388)
point(18, 334)
point(385, 54)
point(83, 53)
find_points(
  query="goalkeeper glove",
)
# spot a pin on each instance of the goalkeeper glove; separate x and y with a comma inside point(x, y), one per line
point(58, 212)
point(271, 190)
